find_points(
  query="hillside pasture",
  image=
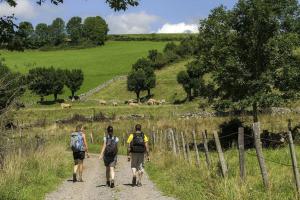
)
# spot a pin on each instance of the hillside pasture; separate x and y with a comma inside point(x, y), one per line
point(98, 64)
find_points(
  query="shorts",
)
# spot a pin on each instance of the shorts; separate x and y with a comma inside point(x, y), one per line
point(78, 157)
point(137, 161)
point(110, 161)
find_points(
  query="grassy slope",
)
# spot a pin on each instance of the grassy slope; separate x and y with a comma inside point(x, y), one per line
point(98, 64)
point(166, 87)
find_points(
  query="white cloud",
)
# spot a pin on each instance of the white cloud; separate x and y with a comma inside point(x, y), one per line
point(179, 28)
point(131, 23)
point(24, 9)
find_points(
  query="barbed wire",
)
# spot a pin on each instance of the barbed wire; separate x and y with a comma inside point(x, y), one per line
point(271, 160)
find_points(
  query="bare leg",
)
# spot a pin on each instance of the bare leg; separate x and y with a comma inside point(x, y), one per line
point(80, 167)
point(107, 174)
point(112, 173)
point(75, 169)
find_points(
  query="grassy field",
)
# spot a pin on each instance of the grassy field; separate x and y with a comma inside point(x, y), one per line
point(166, 87)
point(98, 64)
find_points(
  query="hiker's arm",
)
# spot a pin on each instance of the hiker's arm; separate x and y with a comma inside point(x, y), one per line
point(102, 150)
point(85, 143)
point(147, 151)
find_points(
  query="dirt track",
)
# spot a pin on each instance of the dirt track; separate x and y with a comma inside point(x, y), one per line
point(93, 187)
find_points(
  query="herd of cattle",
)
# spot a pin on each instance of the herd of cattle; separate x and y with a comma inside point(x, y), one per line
point(131, 102)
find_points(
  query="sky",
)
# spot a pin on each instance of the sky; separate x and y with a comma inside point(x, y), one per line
point(151, 16)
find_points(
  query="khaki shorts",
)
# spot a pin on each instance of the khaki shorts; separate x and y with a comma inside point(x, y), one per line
point(137, 161)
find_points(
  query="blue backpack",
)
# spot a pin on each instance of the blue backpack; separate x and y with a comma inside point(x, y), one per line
point(76, 143)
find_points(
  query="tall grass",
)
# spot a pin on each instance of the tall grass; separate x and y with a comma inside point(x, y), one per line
point(31, 177)
point(175, 177)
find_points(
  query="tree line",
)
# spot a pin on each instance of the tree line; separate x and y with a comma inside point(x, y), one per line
point(142, 76)
point(50, 81)
point(90, 32)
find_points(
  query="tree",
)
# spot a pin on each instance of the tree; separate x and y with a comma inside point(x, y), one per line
point(145, 65)
point(95, 29)
point(157, 59)
point(74, 80)
point(40, 81)
point(26, 31)
point(57, 31)
point(249, 51)
point(74, 29)
point(58, 81)
point(11, 87)
point(8, 27)
point(41, 34)
point(136, 82)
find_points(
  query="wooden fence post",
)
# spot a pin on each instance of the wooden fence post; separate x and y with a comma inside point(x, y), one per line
point(183, 146)
point(294, 161)
point(204, 137)
point(242, 153)
point(196, 149)
point(173, 142)
point(177, 143)
point(188, 154)
point(221, 155)
point(259, 153)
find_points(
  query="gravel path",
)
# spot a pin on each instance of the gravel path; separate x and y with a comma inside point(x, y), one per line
point(93, 187)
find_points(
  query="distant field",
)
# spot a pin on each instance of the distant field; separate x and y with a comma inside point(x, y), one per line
point(98, 64)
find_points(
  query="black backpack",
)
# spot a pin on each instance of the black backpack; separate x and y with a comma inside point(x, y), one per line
point(111, 149)
point(137, 144)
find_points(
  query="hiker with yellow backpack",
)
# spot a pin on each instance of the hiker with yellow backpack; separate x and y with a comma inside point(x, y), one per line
point(137, 148)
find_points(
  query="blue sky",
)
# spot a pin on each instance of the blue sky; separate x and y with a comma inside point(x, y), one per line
point(150, 16)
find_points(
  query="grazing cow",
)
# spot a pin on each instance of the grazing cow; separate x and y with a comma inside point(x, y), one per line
point(163, 101)
point(133, 104)
point(102, 102)
point(115, 104)
point(65, 105)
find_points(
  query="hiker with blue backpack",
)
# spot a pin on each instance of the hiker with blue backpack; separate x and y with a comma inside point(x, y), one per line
point(137, 148)
point(79, 147)
point(109, 155)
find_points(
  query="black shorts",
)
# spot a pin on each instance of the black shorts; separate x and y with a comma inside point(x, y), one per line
point(78, 156)
point(110, 161)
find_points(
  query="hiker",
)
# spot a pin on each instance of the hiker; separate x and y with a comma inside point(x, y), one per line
point(109, 155)
point(137, 147)
point(79, 147)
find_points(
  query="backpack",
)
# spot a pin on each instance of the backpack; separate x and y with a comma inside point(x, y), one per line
point(137, 144)
point(76, 143)
point(111, 149)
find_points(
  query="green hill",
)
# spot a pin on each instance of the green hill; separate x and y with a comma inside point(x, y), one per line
point(98, 64)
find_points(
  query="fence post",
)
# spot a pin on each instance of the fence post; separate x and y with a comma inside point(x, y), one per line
point(196, 149)
point(173, 142)
point(92, 137)
point(294, 161)
point(204, 137)
point(183, 146)
point(188, 154)
point(221, 155)
point(242, 153)
point(177, 143)
point(259, 153)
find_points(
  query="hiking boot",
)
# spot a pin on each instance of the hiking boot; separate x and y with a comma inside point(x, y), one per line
point(80, 180)
point(74, 177)
point(108, 183)
point(134, 181)
point(139, 184)
point(112, 184)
